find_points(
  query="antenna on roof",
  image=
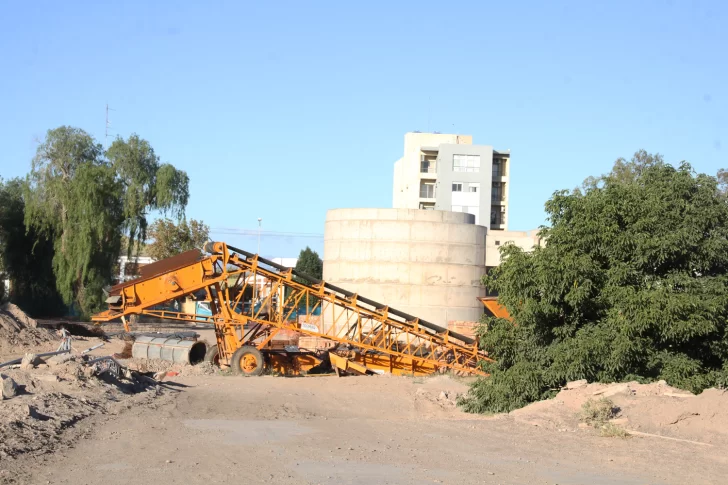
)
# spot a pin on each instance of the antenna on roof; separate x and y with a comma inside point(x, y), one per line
point(108, 124)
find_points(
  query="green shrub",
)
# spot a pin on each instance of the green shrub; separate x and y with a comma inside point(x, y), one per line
point(631, 284)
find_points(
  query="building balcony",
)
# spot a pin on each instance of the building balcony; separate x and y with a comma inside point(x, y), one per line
point(428, 167)
point(427, 192)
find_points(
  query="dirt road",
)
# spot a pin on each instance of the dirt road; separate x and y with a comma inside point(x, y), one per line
point(365, 430)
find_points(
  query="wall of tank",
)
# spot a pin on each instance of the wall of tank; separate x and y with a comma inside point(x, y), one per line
point(423, 262)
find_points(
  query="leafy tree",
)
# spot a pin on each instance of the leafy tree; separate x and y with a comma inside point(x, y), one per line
point(722, 177)
point(309, 263)
point(630, 284)
point(25, 258)
point(169, 239)
point(146, 185)
point(84, 202)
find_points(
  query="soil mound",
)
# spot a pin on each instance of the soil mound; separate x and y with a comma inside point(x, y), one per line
point(18, 331)
point(654, 408)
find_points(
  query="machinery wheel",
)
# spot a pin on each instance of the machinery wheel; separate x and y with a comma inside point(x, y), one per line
point(213, 355)
point(247, 361)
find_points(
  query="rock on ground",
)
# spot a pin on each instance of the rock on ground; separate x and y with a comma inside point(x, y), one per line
point(10, 388)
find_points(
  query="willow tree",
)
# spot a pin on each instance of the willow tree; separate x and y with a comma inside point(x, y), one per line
point(146, 184)
point(85, 201)
point(631, 284)
point(25, 258)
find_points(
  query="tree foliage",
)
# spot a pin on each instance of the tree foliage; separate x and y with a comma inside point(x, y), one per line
point(85, 200)
point(169, 239)
point(25, 258)
point(630, 284)
point(309, 263)
point(146, 185)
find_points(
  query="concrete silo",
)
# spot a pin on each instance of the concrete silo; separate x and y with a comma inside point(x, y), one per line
point(424, 262)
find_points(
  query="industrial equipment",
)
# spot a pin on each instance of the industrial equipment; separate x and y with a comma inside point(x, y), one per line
point(363, 331)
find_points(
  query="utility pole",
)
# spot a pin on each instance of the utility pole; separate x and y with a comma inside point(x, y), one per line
point(255, 275)
point(108, 124)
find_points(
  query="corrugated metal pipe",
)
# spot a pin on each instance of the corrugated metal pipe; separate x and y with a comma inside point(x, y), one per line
point(170, 349)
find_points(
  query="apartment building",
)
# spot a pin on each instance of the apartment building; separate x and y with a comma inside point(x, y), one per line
point(447, 172)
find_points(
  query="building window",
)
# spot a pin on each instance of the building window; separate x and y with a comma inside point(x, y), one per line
point(499, 167)
point(497, 192)
point(428, 166)
point(466, 163)
point(497, 243)
point(497, 216)
point(474, 187)
point(427, 189)
point(457, 187)
point(427, 206)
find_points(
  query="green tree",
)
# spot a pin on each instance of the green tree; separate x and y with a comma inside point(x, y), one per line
point(146, 185)
point(630, 284)
point(85, 201)
point(169, 239)
point(25, 258)
point(309, 263)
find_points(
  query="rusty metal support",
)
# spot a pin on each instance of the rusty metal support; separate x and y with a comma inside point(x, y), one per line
point(386, 338)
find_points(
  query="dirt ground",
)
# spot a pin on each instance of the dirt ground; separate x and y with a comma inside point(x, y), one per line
point(351, 430)
point(201, 426)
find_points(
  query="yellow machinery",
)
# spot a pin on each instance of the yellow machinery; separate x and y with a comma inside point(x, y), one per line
point(364, 332)
point(494, 308)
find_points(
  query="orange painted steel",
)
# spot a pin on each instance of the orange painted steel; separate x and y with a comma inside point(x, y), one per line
point(498, 310)
point(377, 336)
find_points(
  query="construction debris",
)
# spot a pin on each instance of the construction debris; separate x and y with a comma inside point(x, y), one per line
point(29, 361)
point(162, 368)
point(48, 386)
point(19, 331)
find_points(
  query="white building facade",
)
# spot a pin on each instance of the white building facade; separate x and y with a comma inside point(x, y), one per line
point(447, 172)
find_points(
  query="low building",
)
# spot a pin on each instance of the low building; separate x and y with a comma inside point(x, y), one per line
point(287, 262)
point(494, 240)
point(129, 266)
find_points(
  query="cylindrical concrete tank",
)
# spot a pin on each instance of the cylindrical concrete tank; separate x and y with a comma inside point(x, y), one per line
point(423, 262)
point(170, 349)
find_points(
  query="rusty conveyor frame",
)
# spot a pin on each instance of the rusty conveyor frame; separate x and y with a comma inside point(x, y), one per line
point(381, 336)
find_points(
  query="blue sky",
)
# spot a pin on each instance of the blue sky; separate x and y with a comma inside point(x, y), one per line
point(282, 110)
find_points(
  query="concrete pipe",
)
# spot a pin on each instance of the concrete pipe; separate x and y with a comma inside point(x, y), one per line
point(170, 349)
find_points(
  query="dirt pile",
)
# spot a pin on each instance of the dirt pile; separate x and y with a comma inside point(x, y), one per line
point(655, 409)
point(435, 395)
point(18, 331)
point(51, 402)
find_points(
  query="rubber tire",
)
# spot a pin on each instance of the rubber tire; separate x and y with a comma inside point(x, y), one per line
point(238, 356)
point(212, 355)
